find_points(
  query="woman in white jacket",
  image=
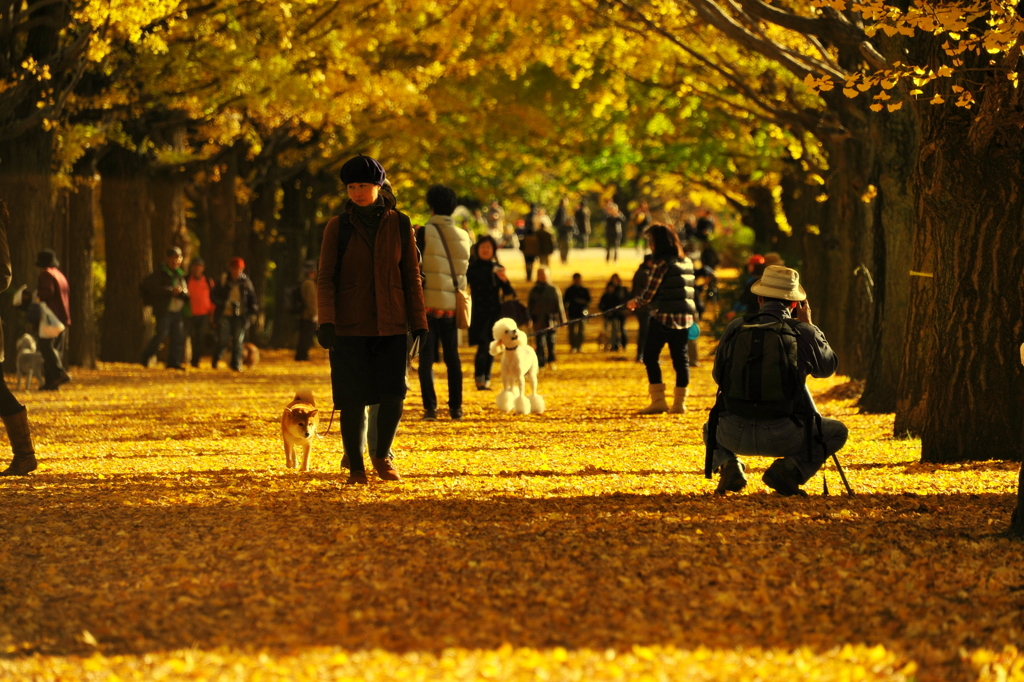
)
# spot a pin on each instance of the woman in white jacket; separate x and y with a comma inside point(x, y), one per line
point(439, 296)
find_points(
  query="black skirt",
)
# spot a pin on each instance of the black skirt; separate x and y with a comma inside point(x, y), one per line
point(363, 368)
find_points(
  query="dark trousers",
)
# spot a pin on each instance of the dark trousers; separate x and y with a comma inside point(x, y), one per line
point(545, 347)
point(52, 351)
point(198, 327)
point(530, 260)
point(576, 334)
point(443, 332)
point(232, 333)
point(643, 318)
point(658, 335)
point(9, 405)
point(483, 363)
point(170, 325)
point(353, 428)
point(307, 332)
point(616, 333)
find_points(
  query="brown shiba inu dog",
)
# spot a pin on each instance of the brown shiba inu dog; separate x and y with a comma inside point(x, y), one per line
point(298, 428)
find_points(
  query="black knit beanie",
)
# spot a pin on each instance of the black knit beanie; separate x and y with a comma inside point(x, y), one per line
point(362, 169)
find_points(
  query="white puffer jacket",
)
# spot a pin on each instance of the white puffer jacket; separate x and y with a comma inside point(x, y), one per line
point(439, 292)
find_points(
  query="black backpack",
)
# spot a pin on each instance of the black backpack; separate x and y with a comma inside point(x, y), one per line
point(759, 368)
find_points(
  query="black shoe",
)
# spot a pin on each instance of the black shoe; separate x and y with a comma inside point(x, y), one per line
point(456, 414)
point(430, 415)
point(62, 379)
point(784, 478)
point(733, 478)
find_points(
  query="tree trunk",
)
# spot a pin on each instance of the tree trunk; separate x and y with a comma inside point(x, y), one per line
point(919, 339)
point(128, 240)
point(25, 167)
point(972, 201)
point(298, 213)
point(222, 218)
point(262, 213)
point(80, 252)
point(839, 296)
point(760, 217)
point(894, 240)
point(167, 191)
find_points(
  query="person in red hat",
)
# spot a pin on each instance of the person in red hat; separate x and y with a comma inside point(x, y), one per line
point(235, 298)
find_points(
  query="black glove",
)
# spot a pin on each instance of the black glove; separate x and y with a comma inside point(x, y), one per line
point(417, 342)
point(325, 335)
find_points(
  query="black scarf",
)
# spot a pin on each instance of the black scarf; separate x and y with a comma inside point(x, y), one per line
point(369, 216)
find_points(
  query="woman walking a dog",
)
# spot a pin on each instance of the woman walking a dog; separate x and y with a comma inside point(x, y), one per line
point(369, 296)
point(13, 413)
point(669, 294)
point(487, 284)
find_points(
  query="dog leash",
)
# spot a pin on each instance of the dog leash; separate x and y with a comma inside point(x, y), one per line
point(329, 422)
point(578, 319)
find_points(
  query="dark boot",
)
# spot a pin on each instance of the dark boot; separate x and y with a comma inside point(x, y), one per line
point(783, 477)
point(24, 461)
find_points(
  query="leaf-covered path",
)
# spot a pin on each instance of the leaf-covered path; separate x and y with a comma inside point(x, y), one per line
point(162, 538)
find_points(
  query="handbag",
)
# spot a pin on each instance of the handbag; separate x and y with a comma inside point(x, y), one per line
point(463, 304)
point(49, 326)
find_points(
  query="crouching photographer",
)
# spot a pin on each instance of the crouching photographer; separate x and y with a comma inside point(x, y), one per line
point(763, 407)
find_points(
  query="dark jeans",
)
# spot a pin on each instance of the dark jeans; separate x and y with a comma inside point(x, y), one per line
point(307, 332)
point(52, 351)
point(612, 249)
point(171, 325)
point(483, 363)
point(643, 318)
point(442, 331)
point(657, 336)
point(576, 334)
point(198, 327)
point(545, 347)
point(616, 333)
point(530, 260)
point(232, 332)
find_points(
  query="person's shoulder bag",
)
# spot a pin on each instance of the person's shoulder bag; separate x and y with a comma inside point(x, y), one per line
point(463, 304)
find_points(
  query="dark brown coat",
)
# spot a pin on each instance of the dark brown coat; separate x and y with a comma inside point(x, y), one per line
point(380, 292)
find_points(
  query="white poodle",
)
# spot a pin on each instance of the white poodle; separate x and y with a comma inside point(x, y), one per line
point(518, 363)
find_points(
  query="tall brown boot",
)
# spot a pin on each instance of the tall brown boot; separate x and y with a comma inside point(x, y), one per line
point(24, 461)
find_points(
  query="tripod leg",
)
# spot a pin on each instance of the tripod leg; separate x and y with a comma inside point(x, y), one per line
point(842, 474)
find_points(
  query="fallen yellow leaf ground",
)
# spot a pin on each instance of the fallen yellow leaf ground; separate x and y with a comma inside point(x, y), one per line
point(162, 538)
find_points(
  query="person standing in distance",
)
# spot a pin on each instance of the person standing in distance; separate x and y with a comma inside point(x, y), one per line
point(52, 289)
point(369, 296)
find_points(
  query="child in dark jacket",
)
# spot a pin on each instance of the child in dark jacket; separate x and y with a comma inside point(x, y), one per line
point(614, 323)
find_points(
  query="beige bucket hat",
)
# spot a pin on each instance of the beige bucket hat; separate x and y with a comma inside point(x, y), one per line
point(779, 282)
